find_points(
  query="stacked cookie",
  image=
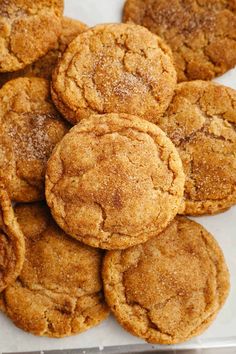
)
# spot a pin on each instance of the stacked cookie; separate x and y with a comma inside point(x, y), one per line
point(142, 150)
point(201, 34)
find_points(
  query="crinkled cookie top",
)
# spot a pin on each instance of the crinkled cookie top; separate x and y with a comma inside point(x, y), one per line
point(28, 30)
point(114, 181)
point(201, 122)
point(114, 68)
point(201, 34)
point(30, 127)
point(170, 288)
point(59, 291)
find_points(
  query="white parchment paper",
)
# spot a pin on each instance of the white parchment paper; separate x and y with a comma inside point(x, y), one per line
point(222, 226)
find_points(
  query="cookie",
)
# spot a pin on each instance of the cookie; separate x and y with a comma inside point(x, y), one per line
point(201, 122)
point(114, 68)
point(59, 291)
point(201, 34)
point(30, 127)
point(28, 30)
point(12, 244)
point(45, 65)
point(114, 181)
point(169, 289)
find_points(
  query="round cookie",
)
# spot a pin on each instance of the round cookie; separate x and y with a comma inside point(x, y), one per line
point(30, 127)
point(45, 65)
point(12, 244)
point(170, 288)
point(114, 181)
point(28, 30)
point(201, 122)
point(114, 68)
point(201, 34)
point(59, 291)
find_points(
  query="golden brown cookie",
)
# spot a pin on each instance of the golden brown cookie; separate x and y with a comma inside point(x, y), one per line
point(201, 122)
point(201, 34)
point(12, 243)
point(59, 291)
point(45, 65)
point(170, 288)
point(28, 30)
point(30, 127)
point(114, 181)
point(114, 68)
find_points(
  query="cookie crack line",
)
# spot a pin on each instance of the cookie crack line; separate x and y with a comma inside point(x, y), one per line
point(110, 234)
point(152, 324)
point(97, 99)
point(148, 310)
point(215, 67)
point(121, 132)
point(104, 216)
point(120, 301)
point(42, 289)
point(10, 50)
point(205, 131)
point(189, 199)
point(83, 87)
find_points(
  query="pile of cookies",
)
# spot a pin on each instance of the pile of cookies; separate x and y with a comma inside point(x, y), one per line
point(93, 217)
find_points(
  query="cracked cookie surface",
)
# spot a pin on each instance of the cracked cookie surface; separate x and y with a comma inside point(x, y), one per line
point(201, 34)
point(170, 288)
point(201, 122)
point(28, 30)
point(59, 291)
point(114, 181)
point(114, 68)
point(12, 243)
point(45, 65)
point(30, 127)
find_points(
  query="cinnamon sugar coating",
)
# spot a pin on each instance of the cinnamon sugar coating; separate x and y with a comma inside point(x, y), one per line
point(59, 291)
point(201, 122)
point(170, 288)
point(45, 65)
point(114, 181)
point(201, 34)
point(114, 68)
point(30, 127)
point(28, 30)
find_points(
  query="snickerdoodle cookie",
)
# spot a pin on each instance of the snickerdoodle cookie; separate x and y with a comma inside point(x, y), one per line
point(114, 181)
point(12, 244)
point(30, 127)
point(201, 34)
point(59, 291)
point(28, 30)
point(170, 288)
point(114, 68)
point(201, 122)
point(45, 65)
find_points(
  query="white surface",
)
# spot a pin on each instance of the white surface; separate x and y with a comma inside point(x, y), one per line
point(223, 227)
